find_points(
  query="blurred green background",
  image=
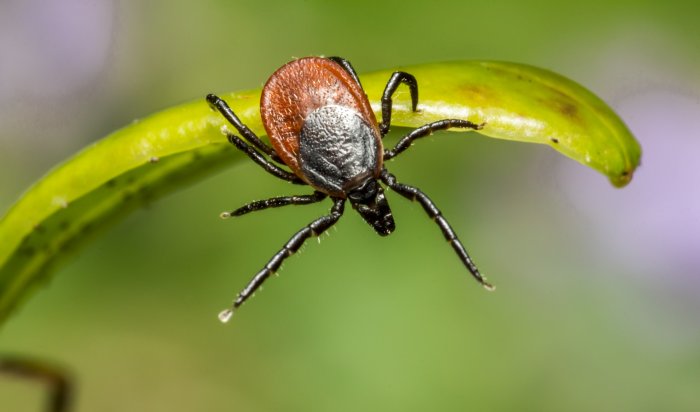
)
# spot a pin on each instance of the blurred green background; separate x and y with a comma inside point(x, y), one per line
point(598, 289)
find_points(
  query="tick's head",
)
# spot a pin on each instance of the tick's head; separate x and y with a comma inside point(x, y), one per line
point(369, 201)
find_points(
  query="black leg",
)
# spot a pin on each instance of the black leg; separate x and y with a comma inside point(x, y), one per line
point(427, 130)
point(276, 202)
point(220, 104)
point(270, 167)
point(347, 66)
point(394, 81)
point(53, 376)
point(416, 194)
point(313, 229)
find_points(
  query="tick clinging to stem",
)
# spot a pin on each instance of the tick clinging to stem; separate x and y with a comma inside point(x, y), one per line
point(321, 126)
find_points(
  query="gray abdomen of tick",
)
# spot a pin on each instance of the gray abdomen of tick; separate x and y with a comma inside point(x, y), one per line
point(337, 149)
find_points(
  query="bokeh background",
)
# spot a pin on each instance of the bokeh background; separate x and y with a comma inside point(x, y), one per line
point(597, 306)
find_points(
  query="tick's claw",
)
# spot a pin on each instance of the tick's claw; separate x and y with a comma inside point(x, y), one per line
point(225, 315)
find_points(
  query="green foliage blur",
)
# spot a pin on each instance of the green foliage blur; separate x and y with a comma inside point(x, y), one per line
point(588, 315)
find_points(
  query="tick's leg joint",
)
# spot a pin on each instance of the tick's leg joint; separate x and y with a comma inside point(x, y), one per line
point(394, 81)
point(427, 130)
point(347, 66)
point(276, 202)
point(219, 104)
point(415, 194)
point(313, 229)
point(258, 158)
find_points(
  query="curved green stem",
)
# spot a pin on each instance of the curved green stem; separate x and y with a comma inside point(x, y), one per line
point(183, 144)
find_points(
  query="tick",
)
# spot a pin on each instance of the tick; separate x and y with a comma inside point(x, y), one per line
point(322, 128)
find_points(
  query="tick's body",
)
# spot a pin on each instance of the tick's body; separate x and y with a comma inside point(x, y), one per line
point(322, 127)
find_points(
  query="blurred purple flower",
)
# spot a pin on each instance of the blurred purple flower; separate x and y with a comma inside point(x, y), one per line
point(52, 47)
point(652, 226)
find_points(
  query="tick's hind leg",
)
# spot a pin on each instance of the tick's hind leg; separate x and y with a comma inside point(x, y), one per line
point(219, 104)
point(262, 161)
point(415, 194)
point(396, 79)
point(276, 202)
point(222, 107)
point(427, 130)
point(313, 229)
point(347, 66)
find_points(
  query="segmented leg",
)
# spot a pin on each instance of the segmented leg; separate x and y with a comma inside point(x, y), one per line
point(427, 130)
point(258, 158)
point(220, 104)
point(276, 202)
point(416, 194)
point(394, 81)
point(313, 229)
point(347, 66)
